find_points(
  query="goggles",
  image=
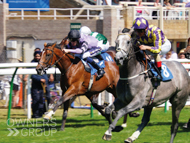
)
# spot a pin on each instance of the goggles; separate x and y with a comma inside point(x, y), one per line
point(73, 39)
point(139, 30)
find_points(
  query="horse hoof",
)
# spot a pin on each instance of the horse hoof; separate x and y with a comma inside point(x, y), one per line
point(106, 137)
point(124, 125)
point(129, 140)
point(134, 114)
point(46, 117)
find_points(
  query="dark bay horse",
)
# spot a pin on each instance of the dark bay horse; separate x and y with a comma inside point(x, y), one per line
point(134, 88)
point(74, 79)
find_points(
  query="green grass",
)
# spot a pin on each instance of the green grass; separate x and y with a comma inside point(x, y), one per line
point(80, 128)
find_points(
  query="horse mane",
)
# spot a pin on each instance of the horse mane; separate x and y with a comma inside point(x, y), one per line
point(139, 55)
point(56, 46)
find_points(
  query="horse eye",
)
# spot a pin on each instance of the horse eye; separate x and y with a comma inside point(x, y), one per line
point(128, 42)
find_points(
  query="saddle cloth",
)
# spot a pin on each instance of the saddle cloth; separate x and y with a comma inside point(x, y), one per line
point(165, 72)
point(91, 69)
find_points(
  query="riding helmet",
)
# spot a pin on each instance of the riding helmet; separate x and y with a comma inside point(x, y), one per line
point(74, 35)
point(140, 23)
point(85, 30)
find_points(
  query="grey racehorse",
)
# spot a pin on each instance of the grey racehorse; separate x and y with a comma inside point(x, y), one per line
point(134, 88)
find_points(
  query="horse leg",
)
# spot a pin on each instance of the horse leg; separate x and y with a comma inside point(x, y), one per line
point(65, 111)
point(98, 107)
point(187, 125)
point(145, 120)
point(67, 95)
point(176, 109)
point(124, 125)
point(108, 111)
point(52, 112)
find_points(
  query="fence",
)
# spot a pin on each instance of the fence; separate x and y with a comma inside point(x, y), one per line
point(86, 12)
point(96, 12)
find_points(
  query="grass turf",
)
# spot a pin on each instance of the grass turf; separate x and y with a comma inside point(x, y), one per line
point(80, 128)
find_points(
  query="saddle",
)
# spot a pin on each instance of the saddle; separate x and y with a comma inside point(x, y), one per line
point(89, 68)
point(153, 71)
point(165, 72)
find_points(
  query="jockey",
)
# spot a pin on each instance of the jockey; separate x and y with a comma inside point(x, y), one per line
point(87, 47)
point(102, 40)
point(152, 40)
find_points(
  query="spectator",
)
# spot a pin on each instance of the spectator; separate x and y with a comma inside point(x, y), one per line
point(181, 55)
point(168, 7)
point(16, 87)
point(139, 12)
point(37, 90)
point(107, 2)
point(173, 55)
point(36, 49)
point(154, 13)
point(115, 2)
point(167, 4)
point(168, 55)
point(187, 3)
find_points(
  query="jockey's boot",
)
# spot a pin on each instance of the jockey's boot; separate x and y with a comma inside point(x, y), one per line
point(101, 72)
point(96, 66)
point(159, 74)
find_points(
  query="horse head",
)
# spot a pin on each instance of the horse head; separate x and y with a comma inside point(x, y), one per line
point(51, 54)
point(123, 46)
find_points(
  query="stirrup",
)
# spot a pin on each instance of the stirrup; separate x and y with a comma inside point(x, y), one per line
point(100, 74)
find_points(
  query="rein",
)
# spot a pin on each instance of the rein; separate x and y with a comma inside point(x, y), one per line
point(53, 53)
point(129, 56)
point(134, 75)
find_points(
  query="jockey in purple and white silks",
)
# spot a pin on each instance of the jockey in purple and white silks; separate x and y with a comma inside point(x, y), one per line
point(87, 46)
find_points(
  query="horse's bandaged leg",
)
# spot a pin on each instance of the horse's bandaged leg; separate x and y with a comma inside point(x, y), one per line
point(135, 135)
point(49, 115)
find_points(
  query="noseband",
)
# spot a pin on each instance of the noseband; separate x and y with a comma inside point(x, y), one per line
point(126, 53)
point(50, 58)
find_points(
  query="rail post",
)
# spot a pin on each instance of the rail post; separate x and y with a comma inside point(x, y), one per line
point(10, 97)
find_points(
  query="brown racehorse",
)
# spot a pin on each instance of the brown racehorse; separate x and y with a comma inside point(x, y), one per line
point(74, 79)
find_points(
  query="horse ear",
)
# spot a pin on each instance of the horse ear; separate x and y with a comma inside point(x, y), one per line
point(45, 44)
point(54, 44)
point(131, 31)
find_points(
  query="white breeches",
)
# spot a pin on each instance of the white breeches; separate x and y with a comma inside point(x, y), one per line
point(104, 47)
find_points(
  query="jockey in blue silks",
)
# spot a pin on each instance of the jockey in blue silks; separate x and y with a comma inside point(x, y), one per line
point(87, 46)
point(152, 40)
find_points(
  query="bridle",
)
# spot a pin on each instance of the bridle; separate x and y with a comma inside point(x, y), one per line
point(50, 58)
point(126, 53)
point(128, 57)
